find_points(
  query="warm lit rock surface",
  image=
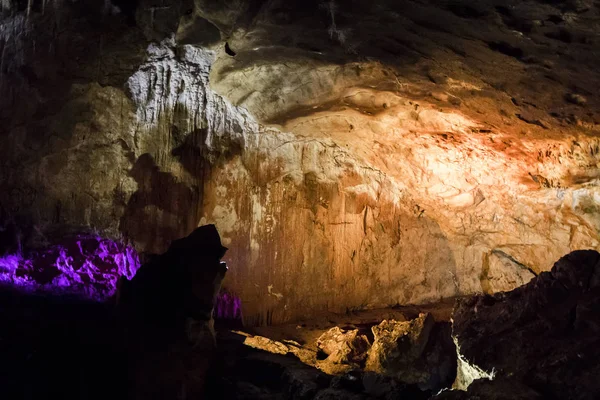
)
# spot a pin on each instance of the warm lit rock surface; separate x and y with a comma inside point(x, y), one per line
point(344, 349)
point(365, 354)
point(352, 154)
point(413, 352)
point(244, 372)
point(543, 336)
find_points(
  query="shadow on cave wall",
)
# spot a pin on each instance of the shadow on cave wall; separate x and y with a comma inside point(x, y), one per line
point(162, 209)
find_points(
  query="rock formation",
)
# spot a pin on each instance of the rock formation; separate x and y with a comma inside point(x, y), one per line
point(83, 266)
point(413, 352)
point(352, 154)
point(168, 309)
point(156, 344)
point(344, 350)
point(540, 339)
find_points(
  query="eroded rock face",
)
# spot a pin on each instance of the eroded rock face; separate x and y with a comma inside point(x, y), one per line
point(345, 350)
point(351, 155)
point(543, 335)
point(413, 352)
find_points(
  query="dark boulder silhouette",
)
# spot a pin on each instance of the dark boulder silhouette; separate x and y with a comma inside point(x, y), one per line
point(167, 309)
point(544, 335)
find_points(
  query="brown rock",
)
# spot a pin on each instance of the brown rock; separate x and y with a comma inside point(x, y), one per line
point(344, 347)
point(576, 99)
point(148, 142)
point(398, 346)
point(544, 334)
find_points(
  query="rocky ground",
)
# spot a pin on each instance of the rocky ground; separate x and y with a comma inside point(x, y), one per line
point(538, 341)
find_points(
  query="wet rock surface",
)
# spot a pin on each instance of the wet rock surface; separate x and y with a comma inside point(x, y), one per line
point(543, 335)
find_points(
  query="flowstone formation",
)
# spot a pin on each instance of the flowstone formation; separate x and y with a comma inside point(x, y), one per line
point(351, 154)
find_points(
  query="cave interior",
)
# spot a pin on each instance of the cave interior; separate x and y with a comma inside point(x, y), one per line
point(318, 199)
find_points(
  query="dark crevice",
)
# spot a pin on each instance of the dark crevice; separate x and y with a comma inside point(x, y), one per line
point(228, 50)
point(513, 260)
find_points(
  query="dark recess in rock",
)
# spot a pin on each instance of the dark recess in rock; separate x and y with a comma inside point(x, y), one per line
point(507, 49)
point(228, 50)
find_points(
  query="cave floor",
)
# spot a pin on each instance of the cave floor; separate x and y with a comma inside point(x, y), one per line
point(307, 331)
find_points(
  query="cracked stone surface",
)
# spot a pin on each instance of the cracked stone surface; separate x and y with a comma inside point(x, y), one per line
point(352, 155)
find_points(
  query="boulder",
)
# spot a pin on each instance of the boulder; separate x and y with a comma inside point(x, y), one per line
point(168, 307)
point(177, 286)
point(343, 347)
point(398, 346)
point(545, 334)
point(413, 352)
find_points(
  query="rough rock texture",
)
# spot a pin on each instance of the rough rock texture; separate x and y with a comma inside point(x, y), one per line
point(544, 335)
point(344, 349)
point(53, 346)
point(247, 373)
point(356, 154)
point(413, 352)
point(84, 266)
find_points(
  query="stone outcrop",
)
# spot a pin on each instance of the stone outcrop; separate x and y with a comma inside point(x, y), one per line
point(541, 337)
point(157, 343)
point(247, 373)
point(177, 286)
point(412, 352)
point(352, 154)
point(344, 349)
point(84, 266)
point(168, 310)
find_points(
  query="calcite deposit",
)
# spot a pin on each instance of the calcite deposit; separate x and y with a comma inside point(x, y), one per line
point(351, 154)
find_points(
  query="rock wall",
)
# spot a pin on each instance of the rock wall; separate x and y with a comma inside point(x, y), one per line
point(343, 172)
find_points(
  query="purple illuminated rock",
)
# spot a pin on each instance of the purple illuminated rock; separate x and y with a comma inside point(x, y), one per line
point(228, 306)
point(85, 266)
